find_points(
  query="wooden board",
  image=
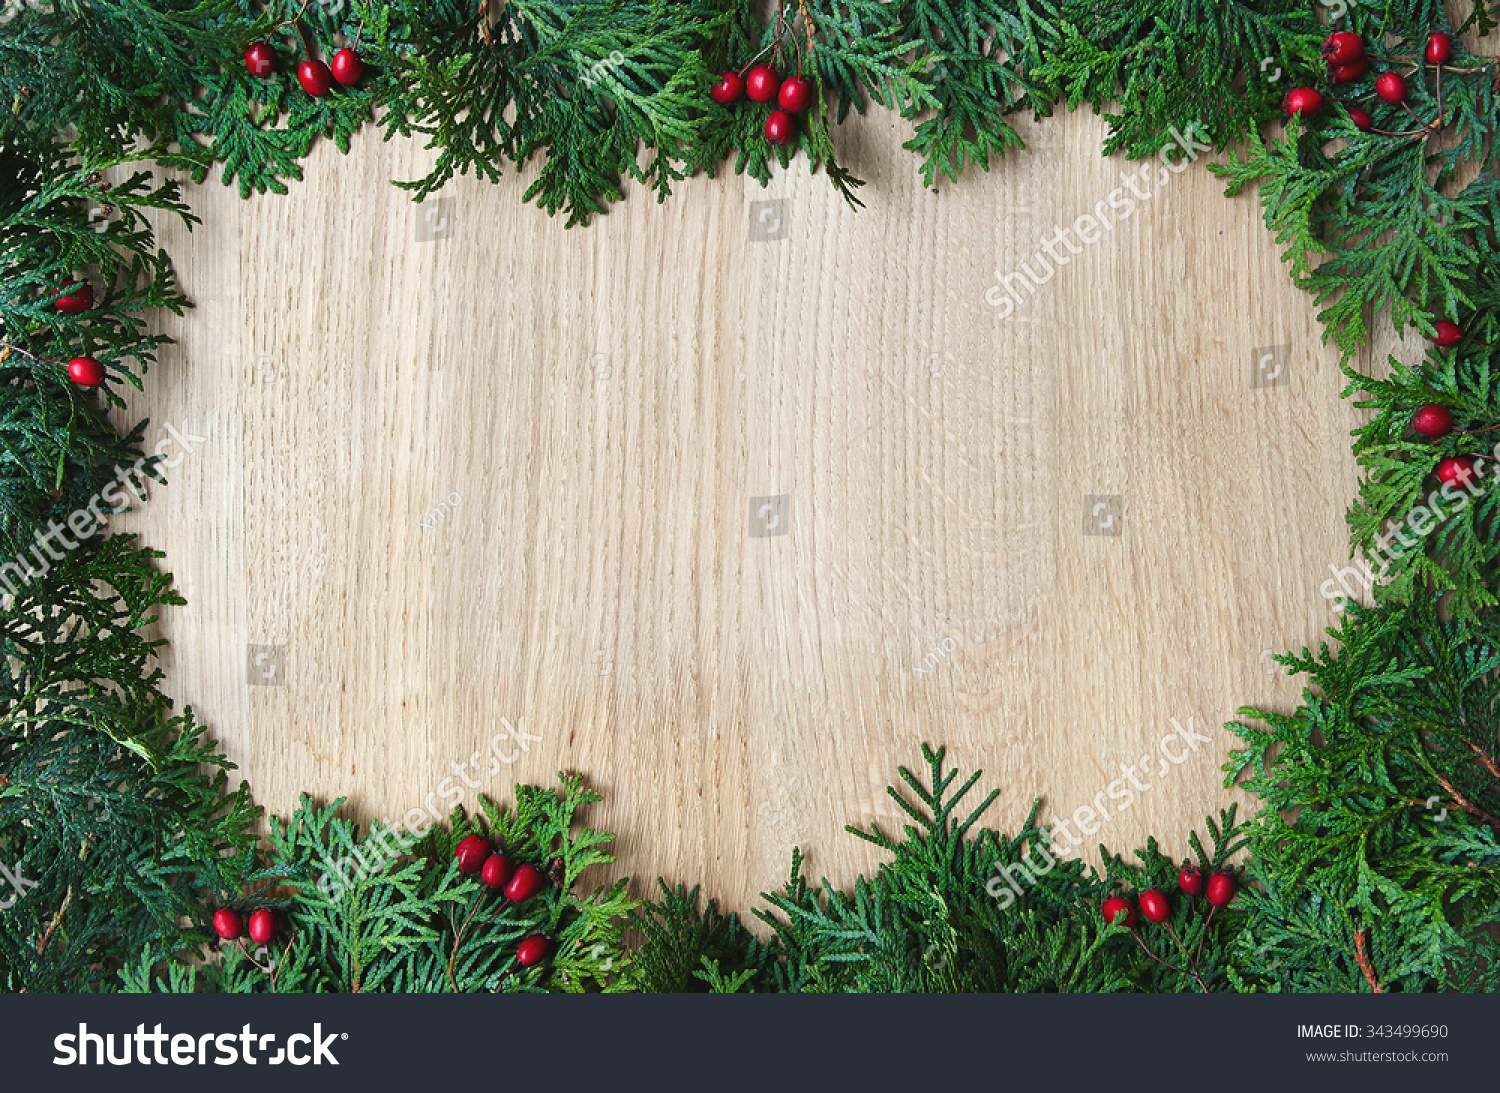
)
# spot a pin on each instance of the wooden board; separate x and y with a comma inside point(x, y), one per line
point(735, 523)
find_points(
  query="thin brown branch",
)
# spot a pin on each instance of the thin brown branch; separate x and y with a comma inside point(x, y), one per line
point(1489, 764)
point(55, 923)
point(1364, 963)
point(1465, 804)
point(808, 24)
point(484, 20)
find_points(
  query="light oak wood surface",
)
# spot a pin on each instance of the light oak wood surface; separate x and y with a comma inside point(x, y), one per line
point(598, 407)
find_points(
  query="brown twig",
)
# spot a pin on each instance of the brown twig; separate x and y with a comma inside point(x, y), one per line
point(1364, 964)
point(808, 24)
point(1464, 803)
point(1489, 764)
point(484, 22)
point(56, 922)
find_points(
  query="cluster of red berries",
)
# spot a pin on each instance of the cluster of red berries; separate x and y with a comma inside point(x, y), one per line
point(475, 855)
point(1345, 53)
point(315, 77)
point(761, 84)
point(75, 297)
point(1220, 889)
point(1435, 422)
point(231, 927)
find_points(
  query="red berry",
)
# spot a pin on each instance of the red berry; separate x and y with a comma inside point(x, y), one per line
point(262, 926)
point(1432, 421)
point(729, 88)
point(795, 95)
point(1114, 907)
point(1343, 47)
point(1221, 889)
point(347, 68)
point(1456, 470)
point(260, 59)
point(472, 851)
point(532, 951)
point(1390, 87)
point(1351, 71)
point(496, 871)
point(1447, 334)
point(781, 127)
point(524, 883)
point(1190, 881)
point(86, 371)
point(1303, 101)
point(80, 299)
point(1439, 48)
point(1154, 905)
point(1361, 120)
point(315, 78)
point(227, 924)
point(761, 84)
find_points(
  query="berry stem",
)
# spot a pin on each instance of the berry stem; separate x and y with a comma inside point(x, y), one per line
point(300, 13)
point(285, 953)
point(780, 25)
point(6, 349)
point(1192, 964)
point(1147, 950)
point(458, 935)
point(1414, 117)
point(1206, 924)
point(239, 943)
point(751, 62)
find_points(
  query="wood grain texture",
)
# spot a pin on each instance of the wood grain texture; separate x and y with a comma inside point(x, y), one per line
point(599, 406)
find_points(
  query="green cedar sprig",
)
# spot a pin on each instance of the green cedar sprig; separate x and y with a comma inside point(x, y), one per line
point(121, 813)
point(1382, 794)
